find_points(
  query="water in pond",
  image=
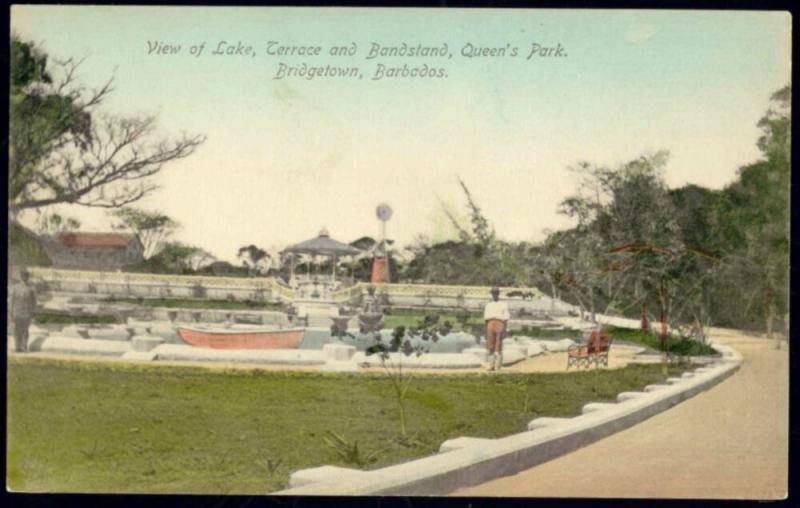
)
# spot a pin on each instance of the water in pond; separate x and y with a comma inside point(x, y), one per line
point(451, 343)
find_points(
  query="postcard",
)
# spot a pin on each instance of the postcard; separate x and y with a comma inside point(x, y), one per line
point(359, 252)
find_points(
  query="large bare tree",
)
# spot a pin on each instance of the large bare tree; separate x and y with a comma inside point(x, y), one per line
point(62, 149)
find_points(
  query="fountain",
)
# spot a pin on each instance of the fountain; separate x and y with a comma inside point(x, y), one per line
point(370, 319)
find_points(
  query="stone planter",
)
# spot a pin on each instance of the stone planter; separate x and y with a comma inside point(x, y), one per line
point(145, 343)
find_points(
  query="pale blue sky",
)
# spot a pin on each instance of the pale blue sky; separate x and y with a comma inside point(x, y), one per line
point(287, 157)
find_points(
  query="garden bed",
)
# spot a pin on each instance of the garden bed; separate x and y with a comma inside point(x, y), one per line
point(189, 303)
point(66, 318)
point(408, 318)
point(677, 346)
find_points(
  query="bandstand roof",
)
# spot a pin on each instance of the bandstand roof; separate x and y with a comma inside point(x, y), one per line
point(324, 245)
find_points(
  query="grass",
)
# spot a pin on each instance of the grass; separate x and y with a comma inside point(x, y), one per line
point(188, 303)
point(77, 426)
point(468, 321)
point(411, 317)
point(675, 345)
point(566, 333)
point(57, 318)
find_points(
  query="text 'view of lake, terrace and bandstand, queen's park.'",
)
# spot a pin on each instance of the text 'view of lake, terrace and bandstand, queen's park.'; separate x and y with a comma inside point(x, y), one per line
point(404, 60)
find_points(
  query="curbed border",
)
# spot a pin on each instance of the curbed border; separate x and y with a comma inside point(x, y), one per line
point(468, 461)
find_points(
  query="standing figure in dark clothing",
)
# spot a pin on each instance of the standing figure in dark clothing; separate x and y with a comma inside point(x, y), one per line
point(23, 305)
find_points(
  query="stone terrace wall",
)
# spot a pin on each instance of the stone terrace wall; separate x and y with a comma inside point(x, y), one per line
point(146, 285)
point(530, 301)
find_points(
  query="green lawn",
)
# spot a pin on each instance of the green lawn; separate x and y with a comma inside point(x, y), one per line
point(188, 303)
point(467, 321)
point(60, 318)
point(566, 333)
point(107, 427)
point(411, 317)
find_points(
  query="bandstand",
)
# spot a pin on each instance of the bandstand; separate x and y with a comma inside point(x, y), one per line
point(314, 284)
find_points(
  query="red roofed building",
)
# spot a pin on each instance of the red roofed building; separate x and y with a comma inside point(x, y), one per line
point(93, 251)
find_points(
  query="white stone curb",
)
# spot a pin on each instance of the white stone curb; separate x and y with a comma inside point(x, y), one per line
point(332, 357)
point(61, 344)
point(276, 356)
point(470, 461)
point(428, 360)
point(313, 475)
point(463, 442)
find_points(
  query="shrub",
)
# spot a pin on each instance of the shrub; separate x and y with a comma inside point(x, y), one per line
point(199, 291)
point(675, 345)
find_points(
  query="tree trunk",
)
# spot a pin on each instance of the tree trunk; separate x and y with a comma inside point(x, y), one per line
point(663, 301)
point(769, 303)
point(785, 329)
point(553, 296)
point(402, 405)
point(771, 316)
point(581, 304)
point(400, 387)
point(645, 321)
point(701, 335)
point(770, 319)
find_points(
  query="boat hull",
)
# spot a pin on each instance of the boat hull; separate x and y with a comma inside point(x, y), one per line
point(271, 339)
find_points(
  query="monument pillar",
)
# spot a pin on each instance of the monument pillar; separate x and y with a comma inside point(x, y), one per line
point(380, 260)
point(380, 270)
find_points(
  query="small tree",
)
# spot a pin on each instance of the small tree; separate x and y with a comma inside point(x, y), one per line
point(581, 263)
point(392, 353)
point(482, 230)
point(691, 315)
point(177, 255)
point(53, 223)
point(174, 257)
point(200, 258)
point(546, 259)
point(255, 259)
point(151, 227)
point(400, 346)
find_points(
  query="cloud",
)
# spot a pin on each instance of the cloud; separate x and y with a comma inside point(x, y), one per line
point(639, 32)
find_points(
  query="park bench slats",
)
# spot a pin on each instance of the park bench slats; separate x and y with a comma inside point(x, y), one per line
point(594, 351)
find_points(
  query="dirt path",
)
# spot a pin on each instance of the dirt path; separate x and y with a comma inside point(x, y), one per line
point(730, 442)
point(547, 362)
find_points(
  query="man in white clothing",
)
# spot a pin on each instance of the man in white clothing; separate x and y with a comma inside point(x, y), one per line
point(496, 317)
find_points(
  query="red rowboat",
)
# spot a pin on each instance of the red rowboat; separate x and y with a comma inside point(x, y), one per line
point(242, 339)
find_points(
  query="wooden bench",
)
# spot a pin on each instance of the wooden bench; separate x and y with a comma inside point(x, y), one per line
point(594, 351)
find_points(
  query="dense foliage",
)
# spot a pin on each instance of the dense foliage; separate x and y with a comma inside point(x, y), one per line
point(690, 256)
